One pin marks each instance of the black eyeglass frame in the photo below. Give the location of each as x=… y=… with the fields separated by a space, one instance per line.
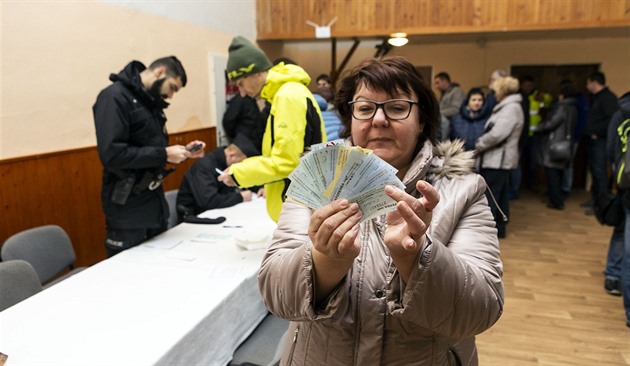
x=381 y=105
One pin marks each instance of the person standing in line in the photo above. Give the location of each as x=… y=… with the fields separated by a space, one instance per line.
x=616 y=282
x=132 y=144
x=497 y=148
x=603 y=106
x=538 y=102
x=324 y=81
x=559 y=124
x=469 y=124
x=294 y=121
x=619 y=251
x=582 y=108
x=491 y=99
x=324 y=98
x=451 y=99
x=410 y=287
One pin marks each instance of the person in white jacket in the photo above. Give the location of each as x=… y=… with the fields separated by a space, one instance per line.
x=497 y=148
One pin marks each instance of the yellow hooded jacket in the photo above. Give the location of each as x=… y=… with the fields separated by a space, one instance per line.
x=294 y=122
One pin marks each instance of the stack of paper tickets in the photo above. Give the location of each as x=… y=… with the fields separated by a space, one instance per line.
x=332 y=171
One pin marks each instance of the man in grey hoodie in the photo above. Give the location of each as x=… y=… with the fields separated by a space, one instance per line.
x=451 y=99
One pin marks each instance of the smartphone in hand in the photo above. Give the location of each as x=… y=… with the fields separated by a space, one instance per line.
x=195 y=147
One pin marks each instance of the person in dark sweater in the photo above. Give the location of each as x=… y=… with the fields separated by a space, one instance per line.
x=603 y=106
x=200 y=190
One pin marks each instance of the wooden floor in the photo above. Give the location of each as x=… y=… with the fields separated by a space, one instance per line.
x=556 y=310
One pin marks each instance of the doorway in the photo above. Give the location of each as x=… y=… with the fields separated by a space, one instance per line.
x=547 y=79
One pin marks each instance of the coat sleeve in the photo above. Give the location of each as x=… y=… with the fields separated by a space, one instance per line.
x=288 y=123
x=556 y=117
x=456 y=287
x=503 y=122
x=613 y=143
x=209 y=193
x=286 y=274
x=232 y=116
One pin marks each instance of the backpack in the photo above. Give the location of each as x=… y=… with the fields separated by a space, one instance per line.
x=622 y=173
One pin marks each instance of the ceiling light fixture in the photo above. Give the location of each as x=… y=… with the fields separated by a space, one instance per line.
x=398 y=39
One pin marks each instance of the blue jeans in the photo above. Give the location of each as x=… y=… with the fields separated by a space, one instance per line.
x=615 y=252
x=515 y=183
x=625 y=266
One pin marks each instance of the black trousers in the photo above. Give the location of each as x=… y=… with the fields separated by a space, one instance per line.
x=498 y=181
x=554 y=186
x=120 y=240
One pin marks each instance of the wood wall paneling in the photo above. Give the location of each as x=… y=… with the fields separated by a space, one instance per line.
x=279 y=19
x=63 y=188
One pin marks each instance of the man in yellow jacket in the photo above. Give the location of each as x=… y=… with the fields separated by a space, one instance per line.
x=294 y=122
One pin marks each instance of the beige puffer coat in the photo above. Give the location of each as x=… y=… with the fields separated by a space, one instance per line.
x=373 y=318
x=498 y=146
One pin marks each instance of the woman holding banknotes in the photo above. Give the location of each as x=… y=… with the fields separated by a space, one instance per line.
x=411 y=287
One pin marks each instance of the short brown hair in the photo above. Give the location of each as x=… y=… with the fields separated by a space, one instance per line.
x=389 y=75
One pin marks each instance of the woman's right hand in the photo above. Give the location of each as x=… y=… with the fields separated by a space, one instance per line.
x=333 y=230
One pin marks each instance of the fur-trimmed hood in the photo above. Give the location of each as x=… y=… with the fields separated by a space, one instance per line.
x=451 y=159
x=447 y=159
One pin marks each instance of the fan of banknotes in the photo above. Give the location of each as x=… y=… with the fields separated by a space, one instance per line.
x=332 y=171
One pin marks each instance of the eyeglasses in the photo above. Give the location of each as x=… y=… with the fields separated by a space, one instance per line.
x=394 y=109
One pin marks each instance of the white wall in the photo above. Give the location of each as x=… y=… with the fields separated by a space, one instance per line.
x=229 y=16
x=57 y=56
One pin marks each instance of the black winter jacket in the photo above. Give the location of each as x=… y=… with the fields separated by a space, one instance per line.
x=559 y=125
x=604 y=105
x=200 y=189
x=131 y=139
x=243 y=117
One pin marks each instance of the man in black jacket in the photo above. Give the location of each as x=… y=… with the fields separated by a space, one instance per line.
x=246 y=116
x=132 y=145
x=200 y=189
x=603 y=106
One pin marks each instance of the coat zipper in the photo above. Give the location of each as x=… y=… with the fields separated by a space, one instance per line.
x=295 y=336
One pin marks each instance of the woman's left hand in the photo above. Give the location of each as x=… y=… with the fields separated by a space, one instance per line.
x=407 y=224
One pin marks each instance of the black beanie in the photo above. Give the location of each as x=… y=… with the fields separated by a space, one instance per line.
x=245 y=59
x=246 y=145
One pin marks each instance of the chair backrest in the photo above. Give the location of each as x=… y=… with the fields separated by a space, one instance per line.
x=171 y=199
x=47 y=248
x=18 y=281
x=264 y=346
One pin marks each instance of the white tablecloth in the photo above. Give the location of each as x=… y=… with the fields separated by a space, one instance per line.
x=188 y=297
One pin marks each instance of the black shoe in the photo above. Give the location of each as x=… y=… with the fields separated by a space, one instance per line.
x=587 y=204
x=612 y=286
x=555 y=207
x=533 y=188
x=589 y=212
